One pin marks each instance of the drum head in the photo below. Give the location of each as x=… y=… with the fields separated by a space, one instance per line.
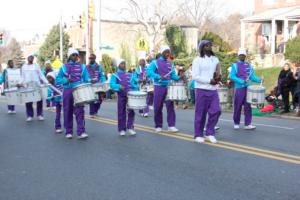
x=137 y=93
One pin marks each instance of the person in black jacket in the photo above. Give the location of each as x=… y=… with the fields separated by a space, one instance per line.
x=286 y=85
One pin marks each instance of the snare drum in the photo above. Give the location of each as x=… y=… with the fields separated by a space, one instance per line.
x=12 y=96
x=100 y=87
x=137 y=100
x=256 y=94
x=223 y=94
x=30 y=95
x=83 y=94
x=44 y=91
x=177 y=92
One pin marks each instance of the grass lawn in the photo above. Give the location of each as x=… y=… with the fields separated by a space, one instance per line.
x=270 y=75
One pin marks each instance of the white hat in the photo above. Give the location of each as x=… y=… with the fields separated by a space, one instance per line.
x=242 y=51
x=72 y=51
x=119 y=61
x=47 y=62
x=164 y=48
x=51 y=74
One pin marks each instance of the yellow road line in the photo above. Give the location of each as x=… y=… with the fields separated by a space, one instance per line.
x=220 y=144
x=225 y=145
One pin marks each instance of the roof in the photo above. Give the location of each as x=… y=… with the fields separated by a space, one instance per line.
x=291 y=13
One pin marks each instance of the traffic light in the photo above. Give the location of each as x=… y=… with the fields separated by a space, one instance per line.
x=91 y=10
x=1 y=39
x=82 y=20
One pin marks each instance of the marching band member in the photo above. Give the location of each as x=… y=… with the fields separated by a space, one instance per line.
x=162 y=72
x=48 y=67
x=46 y=70
x=4 y=79
x=97 y=76
x=56 y=97
x=241 y=74
x=72 y=74
x=122 y=82
x=141 y=79
x=32 y=76
x=206 y=73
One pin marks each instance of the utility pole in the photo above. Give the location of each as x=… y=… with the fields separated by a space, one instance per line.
x=87 y=45
x=98 y=31
x=61 y=38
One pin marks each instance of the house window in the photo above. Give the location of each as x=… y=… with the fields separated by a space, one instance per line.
x=266 y=29
x=269 y=2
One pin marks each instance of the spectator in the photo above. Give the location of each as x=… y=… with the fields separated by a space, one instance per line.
x=286 y=86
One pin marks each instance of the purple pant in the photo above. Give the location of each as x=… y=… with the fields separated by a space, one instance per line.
x=149 y=102
x=207 y=102
x=160 y=94
x=11 y=107
x=122 y=103
x=69 y=110
x=95 y=106
x=58 y=114
x=39 y=108
x=240 y=100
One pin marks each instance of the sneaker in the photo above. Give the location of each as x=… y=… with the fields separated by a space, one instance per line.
x=173 y=129
x=199 y=139
x=83 y=136
x=41 y=118
x=236 y=127
x=131 y=132
x=29 y=119
x=69 y=136
x=250 y=127
x=151 y=107
x=9 y=112
x=158 y=130
x=59 y=130
x=146 y=115
x=212 y=139
x=13 y=112
x=122 y=133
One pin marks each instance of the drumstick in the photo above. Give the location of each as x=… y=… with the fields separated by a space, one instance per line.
x=55 y=89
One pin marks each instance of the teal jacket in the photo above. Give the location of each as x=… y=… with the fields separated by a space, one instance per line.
x=238 y=82
x=116 y=86
x=62 y=80
x=151 y=73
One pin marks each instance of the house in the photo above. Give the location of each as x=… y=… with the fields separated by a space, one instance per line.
x=266 y=32
x=119 y=36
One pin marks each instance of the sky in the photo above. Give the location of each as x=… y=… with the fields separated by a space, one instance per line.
x=25 y=18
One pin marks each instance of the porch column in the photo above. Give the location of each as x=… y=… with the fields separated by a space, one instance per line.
x=273 y=39
x=243 y=33
x=286 y=30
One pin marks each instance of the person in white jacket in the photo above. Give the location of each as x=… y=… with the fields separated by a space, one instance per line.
x=207 y=74
x=32 y=76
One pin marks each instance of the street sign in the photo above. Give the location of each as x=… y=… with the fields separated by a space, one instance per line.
x=142 y=45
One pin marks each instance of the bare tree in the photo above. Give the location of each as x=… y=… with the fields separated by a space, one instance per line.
x=199 y=12
x=153 y=17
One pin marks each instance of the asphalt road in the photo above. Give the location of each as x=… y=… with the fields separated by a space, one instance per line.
x=38 y=164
